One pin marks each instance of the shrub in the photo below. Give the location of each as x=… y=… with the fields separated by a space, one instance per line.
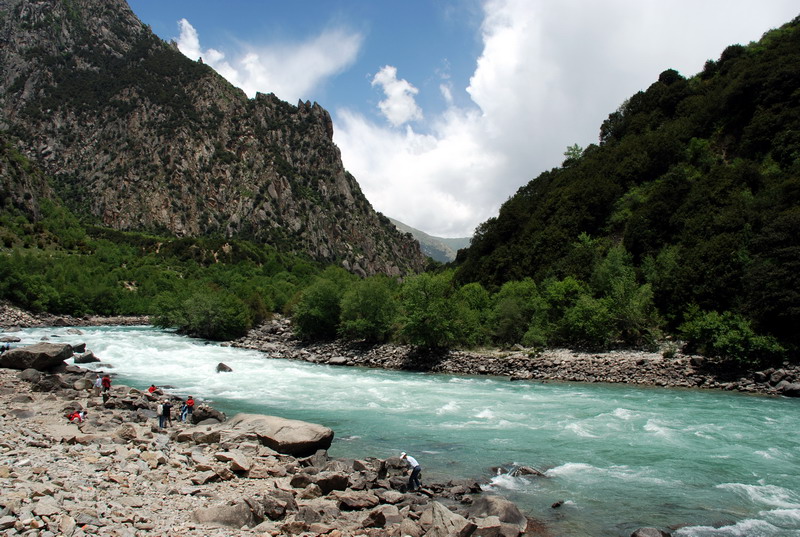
x=727 y=335
x=368 y=310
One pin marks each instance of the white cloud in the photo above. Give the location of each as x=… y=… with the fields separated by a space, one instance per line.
x=549 y=74
x=290 y=71
x=399 y=105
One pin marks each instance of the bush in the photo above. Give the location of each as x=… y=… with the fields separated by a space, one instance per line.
x=368 y=310
x=588 y=324
x=316 y=315
x=430 y=316
x=727 y=335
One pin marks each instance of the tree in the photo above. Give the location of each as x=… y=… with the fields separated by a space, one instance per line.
x=316 y=315
x=430 y=316
x=368 y=310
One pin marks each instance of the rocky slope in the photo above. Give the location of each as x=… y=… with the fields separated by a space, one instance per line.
x=142 y=138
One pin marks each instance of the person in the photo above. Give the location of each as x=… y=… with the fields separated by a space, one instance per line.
x=106 y=382
x=152 y=388
x=416 y=470
x=160 y=414
x=189 y=408
x=77 y=416
x=98 y=385
x=167 y=406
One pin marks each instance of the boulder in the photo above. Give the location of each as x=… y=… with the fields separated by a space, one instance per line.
x=488 y=505
x=222 y=368
x=233 y=515
x=289 y=437
x=439 y=521
x=79 y=348
x=85 y=358
x=41 y=356
x=791 y=390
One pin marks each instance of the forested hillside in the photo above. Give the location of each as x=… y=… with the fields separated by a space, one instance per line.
x=694 y=186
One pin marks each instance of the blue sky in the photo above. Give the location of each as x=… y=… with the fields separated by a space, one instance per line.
x=442 y=108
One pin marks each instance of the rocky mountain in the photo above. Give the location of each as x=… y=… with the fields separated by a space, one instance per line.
x=138 y=137
x=441 y=249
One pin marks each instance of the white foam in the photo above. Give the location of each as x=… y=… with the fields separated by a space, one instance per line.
x=767 y=495
x=579 y=430
x=448 y=408
x=570 y=468
x=486 y=413
x=744 y=528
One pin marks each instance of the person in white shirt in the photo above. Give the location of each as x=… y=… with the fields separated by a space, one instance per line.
x=416 y=470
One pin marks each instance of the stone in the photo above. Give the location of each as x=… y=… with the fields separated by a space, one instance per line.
x=490 y=505
x=85 y=358
x=649 y=532
x=351 y=500
x=791 y=390
x=290 y=437
x=222 y=368
x=330 y=481
x=40 y=356
x=233 y=515
x=442 y=522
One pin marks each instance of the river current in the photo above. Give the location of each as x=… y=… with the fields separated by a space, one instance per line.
x=618 y=457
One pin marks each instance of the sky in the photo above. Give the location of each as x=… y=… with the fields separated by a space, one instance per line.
x=442 y=109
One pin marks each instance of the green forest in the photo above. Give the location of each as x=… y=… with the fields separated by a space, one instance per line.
x=679 y=230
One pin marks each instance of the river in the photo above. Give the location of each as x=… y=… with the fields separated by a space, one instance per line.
x=618 y=457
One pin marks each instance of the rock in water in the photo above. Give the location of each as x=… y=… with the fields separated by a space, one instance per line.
x=41 y=356
x=290 y=437
x=222 y=368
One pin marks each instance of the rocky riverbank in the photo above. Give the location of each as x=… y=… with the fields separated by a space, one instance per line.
x=14 y=317
x=666 y=368
x=117 y=473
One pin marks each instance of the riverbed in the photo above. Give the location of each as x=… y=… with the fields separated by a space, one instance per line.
x=618 y=457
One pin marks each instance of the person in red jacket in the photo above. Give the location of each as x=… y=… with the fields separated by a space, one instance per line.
x=188 y=408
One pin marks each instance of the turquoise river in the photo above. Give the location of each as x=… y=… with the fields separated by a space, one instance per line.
x=702 y=463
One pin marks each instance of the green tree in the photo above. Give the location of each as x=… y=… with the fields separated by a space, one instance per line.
x=368 y=310
x=513 y=307
x=316 y=315
x=430 y=317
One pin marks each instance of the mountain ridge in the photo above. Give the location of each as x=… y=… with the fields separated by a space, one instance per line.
x=138 y=137
x=441 y=249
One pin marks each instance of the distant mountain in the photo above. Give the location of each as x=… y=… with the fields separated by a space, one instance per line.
x=699 y=180
x=440 y=249
x=138 y=137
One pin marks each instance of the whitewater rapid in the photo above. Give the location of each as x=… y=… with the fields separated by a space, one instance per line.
x=617 y=457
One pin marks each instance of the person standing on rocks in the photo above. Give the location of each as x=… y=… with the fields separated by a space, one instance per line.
x=106 y=382
x=189 y=408
x=160 y=414
x=167 y=412
x=98 y=385
x=416 y=470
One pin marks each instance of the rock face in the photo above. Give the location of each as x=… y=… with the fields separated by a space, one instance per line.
x=291 y=437
x=41 y=356
x=143 y=138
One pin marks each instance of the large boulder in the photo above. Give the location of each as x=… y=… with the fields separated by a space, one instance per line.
x=439 y=521
x=290 y=437
x=41 y=356
x=488 y=505
x=791 y=390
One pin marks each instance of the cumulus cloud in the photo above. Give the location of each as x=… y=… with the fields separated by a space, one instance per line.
x=290 y=71
x=399 y=105
x=548 y=75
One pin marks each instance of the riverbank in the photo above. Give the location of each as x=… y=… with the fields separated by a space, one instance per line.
x=117 y=473
x=670 y=369
x=664 y=369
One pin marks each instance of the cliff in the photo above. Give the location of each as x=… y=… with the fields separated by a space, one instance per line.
x=138 y=137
